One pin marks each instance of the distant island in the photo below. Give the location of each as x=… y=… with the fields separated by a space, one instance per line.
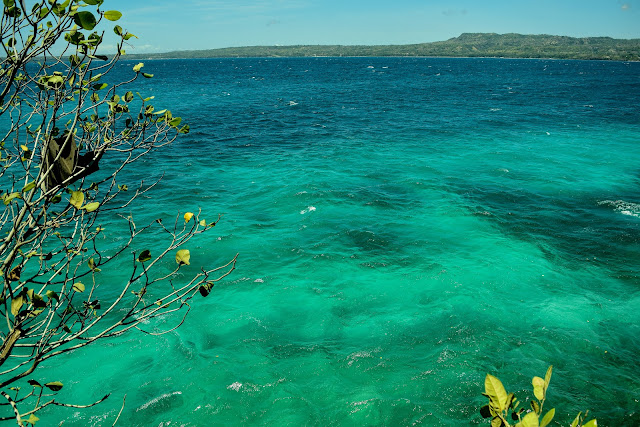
x=466 y=45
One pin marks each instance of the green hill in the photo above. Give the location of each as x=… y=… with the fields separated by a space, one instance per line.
x=466 y=45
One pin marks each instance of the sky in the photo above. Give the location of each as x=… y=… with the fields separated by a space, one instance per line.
x=164 y=25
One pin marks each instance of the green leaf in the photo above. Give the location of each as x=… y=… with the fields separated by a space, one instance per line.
x=77 y=198
x=112 y=15
x=175 y=122
x=535 y=406
x=183 y=256
x=538 y=388
x=496 y=422
x=78 y=287
x=147 y=75
x=16 y=305
x=7 y=198
x=52 y=295
x=74 y=37
x=529 y=420
x=118 y=30
x=144 y=255
x=86 y=20
x=30 y=186
x=93 y=2
x=128 y=97
x=34 y=383
x=592 y=423
x=496 y=392
x=90 y=207
x=33 y=419
x=54 y=386
x=547 y=378
x=56 y=198
x=129 y=35
x=547 y=418
x=138 y=67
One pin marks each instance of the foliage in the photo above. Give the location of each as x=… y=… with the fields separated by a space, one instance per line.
x=67 y=135
x=504 y=407
x=466 y=45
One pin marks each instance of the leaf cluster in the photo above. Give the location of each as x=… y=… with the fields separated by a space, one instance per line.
x=61 y=118
x=504 y=408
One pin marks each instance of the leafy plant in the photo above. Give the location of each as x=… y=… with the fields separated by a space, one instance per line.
x=504 y=408
x=67 y=134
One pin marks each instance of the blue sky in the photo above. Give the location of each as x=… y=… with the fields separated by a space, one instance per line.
x=164 y=25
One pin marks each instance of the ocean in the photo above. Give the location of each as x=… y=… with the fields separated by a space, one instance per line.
x=404 y=227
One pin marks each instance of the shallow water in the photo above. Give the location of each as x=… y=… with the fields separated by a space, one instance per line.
x=405 y=226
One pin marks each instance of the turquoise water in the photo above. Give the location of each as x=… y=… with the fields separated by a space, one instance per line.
x=404 y=226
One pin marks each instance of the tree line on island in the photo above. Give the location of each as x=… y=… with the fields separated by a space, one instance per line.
x=466 y=45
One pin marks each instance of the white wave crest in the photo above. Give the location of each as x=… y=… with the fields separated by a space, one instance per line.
x=309 y=209
x=235 y=386
x=157 y=399
x=625 y=208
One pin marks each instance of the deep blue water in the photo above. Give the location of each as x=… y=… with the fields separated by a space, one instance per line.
x=405 y=226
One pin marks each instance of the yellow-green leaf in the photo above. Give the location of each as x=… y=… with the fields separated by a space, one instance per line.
x=112 y=15
x=547 y=418
x=138 y=67
x=547 y=377
x=54 y=385
x=535 y=406
x=576 y=420
x=592 y=423
x=52 y=295
x=77 y=198
x=188 y=216
x=496 y=392
x=33 y=419
x=538 y=388
x=529 y=420
x=183 y=256
x=30 y=186
x=90 y=207
x=16 y=304
x=7 y=198
x=78 y=287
